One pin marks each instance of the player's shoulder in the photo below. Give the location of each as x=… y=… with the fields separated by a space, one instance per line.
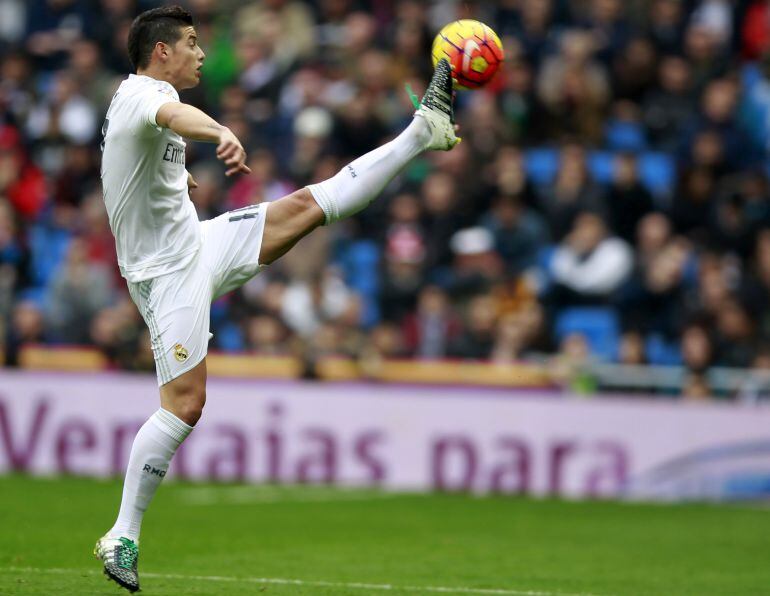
x=140 y=84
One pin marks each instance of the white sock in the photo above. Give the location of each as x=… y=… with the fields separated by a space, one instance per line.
x=154 y=446
x=358 y=183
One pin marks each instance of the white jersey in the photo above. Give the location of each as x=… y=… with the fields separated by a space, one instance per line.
x=144 y=179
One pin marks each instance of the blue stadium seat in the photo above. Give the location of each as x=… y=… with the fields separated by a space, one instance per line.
x=599 y=325
x=657 y=172
x=360 y=263
x=624 y=136
x=542 y=165
x=662 y=352
x=601 y=164
x=48 y=248
x=229 y=338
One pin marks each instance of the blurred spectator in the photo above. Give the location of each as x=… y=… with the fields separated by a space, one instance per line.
x=78 y=291
x=666 y=24
x=16 y=89
x=574 y=89
x=65 y=115
x=703 y=49
x=11 y=22
x=697 y=348
x=517 y=334
x=519 y=233
x=696 y=387
x=13 y=259
x=668 y=106
x=94 y=82
x=572 y=192
x=116 y=331
x=631 y=349
x=755 y=31
x=589 y=265
x=607 y=23
x=533 y=28
x=520 y=105
x=742 y=208
x=441 y=217
x=476 y=264
x=652 y=299
x=507 y=176
x=628 y=200
x=306 y=304
x=735 y=335
x=27 y=328
x=693 y=202
x=756 y=285
x=718 y=116
x=261 y=185
x=433 y=326
x=477 y=339
x=634 y=69
x=572 y=365
x=267 y=335
x=52 y=26
x=21 y=181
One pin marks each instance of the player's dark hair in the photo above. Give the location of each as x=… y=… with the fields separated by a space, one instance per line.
x=159 y=24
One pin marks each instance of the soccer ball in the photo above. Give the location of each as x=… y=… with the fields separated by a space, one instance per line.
x=474 y=51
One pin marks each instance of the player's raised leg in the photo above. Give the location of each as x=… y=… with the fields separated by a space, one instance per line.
x=358 y=183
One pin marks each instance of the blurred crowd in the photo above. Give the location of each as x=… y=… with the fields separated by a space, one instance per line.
x=610 y=199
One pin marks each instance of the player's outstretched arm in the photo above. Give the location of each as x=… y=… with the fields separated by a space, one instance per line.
x=191 y=123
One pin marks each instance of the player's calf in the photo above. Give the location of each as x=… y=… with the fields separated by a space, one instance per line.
x=358 y=183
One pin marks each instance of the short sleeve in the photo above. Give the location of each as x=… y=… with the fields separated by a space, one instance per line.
x=149 y=101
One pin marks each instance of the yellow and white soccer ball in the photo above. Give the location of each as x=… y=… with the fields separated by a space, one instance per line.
x=473 y=49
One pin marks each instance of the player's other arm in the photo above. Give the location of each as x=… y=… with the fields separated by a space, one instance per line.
x=191 y=123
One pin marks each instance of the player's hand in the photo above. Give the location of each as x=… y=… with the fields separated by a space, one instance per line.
x=191 y=183
x=232 y=153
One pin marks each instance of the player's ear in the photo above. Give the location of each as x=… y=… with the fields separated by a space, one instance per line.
x=161 y=50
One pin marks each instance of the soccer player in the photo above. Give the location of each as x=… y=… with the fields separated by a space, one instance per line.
x=175 y=265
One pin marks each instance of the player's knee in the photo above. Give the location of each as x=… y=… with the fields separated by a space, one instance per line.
x=301 y=203
x=191 y=407
x=187 y=405
x=288 y=220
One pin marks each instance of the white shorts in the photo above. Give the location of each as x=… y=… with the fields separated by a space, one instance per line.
x=177 y=306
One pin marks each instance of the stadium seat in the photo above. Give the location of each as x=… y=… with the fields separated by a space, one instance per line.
x=361 y=267
x=542 y=165
x=229 y=338
x=48 y=247
x=624 y=136
x=657 y=171
x=662 y=352
x=601 y=164
x=599 y=325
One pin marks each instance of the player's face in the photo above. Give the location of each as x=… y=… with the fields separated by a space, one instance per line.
x=185 y=60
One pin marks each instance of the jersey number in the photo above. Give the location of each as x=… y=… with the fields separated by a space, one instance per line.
x=247 y=212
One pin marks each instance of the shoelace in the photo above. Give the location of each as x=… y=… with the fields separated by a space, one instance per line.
x=126 y=554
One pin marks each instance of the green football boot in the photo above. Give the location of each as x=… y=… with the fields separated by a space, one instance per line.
x=120 y=557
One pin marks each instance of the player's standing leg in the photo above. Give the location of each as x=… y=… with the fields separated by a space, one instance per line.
x=182 y=401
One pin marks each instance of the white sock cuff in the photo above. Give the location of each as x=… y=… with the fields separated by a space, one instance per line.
x=325 y=202
x=175 y=428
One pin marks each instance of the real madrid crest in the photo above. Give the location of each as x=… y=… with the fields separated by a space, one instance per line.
x=180 y=353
